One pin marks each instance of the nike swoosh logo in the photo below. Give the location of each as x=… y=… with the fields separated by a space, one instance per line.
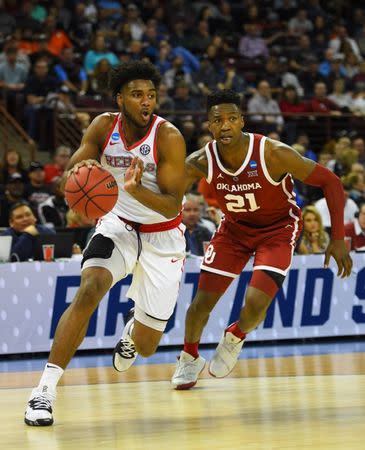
x=174 y=260
x=113 y=143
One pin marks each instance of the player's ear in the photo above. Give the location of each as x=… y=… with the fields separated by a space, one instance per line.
x=119 y=99
x=243 y=120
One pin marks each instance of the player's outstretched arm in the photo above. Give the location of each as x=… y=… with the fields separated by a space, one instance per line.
x=196 y=167
x=283 y=159
x=170 y=174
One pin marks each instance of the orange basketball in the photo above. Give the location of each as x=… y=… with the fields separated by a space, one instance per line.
x=91 y=192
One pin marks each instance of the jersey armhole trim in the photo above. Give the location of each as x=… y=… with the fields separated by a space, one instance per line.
x=155 y=157
x=208 y=151
x=109 y=134
x=263 y=163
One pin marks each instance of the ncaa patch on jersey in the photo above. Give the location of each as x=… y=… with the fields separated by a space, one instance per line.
x=145 y=149
x=115 y=136
x=253 y=164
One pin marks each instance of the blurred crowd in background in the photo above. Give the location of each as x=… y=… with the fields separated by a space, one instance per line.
x=294 y=63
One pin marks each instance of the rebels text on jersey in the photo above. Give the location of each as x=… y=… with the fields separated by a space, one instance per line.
x=117 y=156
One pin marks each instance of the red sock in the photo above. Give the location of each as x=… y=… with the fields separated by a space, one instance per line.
x=192 y=348
x=235 y=330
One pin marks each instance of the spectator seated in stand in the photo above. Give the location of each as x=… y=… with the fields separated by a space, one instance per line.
x=61 y=159
x=70 y=73
x=61 y=101
x=98 y=51
x=231 y=79
x=344 y=157
x=99 y=80
x=340 y=96
x=38 y=86
x=13 y=193
x=195 y=233
x=356 y=229
x=12 y=76
x=303 y=139
x=36 y=191
x=355 y=183
x=12 y=164
x=358 y=169
x=251 y=45
x=320 y=103
x=290 y=101
x=262 y=102
x=23 y=229
x=52 y=212
x=350 y=210
x=314 y=238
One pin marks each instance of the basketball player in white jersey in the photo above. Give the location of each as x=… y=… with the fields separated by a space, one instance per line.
x=142 y=235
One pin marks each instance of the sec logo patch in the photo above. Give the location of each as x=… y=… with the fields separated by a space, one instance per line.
x=145 y=149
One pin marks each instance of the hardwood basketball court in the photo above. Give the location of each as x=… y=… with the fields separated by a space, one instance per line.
x=294 y=402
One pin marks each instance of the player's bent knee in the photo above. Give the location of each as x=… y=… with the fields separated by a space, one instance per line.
x=95 y=282
x=267 y=281
x=256 y=303
x=147 y=332
x=256 y=310
x=146 y=348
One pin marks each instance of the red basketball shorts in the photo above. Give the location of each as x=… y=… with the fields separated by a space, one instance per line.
x=233 y=244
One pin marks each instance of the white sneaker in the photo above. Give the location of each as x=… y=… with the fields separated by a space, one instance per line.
x=39 y=408
x=187 y=371
x=226 y=355
x=125 y=353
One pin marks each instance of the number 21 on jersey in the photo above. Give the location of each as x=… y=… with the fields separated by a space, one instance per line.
x=237 y=203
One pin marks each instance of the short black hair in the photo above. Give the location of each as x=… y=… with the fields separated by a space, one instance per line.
x=223 y=96
x=132 y=70
x=17 y=205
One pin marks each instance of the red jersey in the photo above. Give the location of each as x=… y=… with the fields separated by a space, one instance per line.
x=250 y=196
x=357 y=235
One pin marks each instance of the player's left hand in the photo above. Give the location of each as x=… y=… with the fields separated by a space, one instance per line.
x=133 y=175
x=337 y=249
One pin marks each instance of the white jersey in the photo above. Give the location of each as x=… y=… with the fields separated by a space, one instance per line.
x=117 y=157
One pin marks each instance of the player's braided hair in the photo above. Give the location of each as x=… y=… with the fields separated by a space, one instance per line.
x=223 y=96
x=132 y=70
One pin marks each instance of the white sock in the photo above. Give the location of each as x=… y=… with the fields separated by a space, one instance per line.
x=51 y=376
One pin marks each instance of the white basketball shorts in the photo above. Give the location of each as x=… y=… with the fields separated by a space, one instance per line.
x=158 y=270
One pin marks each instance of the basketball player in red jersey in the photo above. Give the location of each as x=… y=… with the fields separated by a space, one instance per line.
x=142 y=235
x=252 y=179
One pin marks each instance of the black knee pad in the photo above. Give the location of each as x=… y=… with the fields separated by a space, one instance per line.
x=99 y=247
x=277 y=277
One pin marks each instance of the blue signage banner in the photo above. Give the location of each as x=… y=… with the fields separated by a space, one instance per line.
x=312 y=303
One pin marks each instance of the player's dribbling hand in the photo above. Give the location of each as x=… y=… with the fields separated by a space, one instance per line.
x=133 y=175
x=337 y=249
x=86 y=162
